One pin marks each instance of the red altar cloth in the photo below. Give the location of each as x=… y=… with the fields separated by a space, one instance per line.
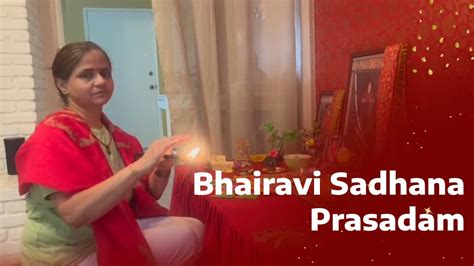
x=268 y=230
x=276 y=230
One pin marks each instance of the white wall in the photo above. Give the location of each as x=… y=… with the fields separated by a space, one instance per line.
x=27 y=43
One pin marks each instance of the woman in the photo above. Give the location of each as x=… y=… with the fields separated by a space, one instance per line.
x=87 y=182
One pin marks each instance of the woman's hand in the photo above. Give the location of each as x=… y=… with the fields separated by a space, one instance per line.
x=88 y=205
x=163 y=169
x=157 y=149
x=159 y=177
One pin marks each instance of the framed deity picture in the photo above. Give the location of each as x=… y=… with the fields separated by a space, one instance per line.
x=359 y=120
x=325 y=101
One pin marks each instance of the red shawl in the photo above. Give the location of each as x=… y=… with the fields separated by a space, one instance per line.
x=63 y=155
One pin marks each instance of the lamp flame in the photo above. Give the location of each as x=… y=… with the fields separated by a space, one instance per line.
x=193 y=153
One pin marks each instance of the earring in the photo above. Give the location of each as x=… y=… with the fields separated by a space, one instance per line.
x=65 y=92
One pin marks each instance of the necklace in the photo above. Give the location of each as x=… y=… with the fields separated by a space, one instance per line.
x=106 y=145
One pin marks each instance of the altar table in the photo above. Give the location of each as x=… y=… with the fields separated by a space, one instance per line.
x=259 y=230
x=276 y=230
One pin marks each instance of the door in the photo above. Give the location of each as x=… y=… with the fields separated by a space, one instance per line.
x=128 y=37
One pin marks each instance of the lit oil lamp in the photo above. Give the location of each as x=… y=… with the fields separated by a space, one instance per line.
x=193 y=160
x=193 y=153
x=191 y=156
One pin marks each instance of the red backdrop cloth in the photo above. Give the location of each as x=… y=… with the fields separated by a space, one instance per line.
x=440 y=103
x=63 y=155
x=231 y=224
x=269 y=230
x=276 y=230
x=437 y=138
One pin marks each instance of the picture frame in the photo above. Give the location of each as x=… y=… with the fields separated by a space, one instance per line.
x=325 y=100
x=361 y=101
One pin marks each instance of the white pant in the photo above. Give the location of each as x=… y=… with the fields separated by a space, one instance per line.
x=172 y=240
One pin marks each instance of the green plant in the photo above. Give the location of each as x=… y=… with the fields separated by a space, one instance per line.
x=277 y=139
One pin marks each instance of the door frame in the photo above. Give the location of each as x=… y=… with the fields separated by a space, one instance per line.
x=58 y=17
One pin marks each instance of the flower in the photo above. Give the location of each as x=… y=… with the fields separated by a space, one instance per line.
x=310 y=143
x=310 y=137
x=274 y=153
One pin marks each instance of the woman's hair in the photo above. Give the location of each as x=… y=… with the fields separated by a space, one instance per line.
x=67 y=59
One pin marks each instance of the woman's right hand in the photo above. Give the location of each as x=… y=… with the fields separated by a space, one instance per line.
x=156 y=150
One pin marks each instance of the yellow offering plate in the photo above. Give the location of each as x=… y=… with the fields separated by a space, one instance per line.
x=224 y=166
x=257 y=158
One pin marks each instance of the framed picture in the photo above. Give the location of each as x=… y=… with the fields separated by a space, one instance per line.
x=359 y=120
x=325 y=101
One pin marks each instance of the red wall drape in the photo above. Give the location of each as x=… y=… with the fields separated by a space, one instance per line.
x=441 y=103
x=438 y=140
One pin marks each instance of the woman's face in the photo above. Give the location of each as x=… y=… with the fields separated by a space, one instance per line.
x=90 y=84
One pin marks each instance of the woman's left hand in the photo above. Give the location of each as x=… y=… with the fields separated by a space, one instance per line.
x=163 y=169
x=159 y=177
